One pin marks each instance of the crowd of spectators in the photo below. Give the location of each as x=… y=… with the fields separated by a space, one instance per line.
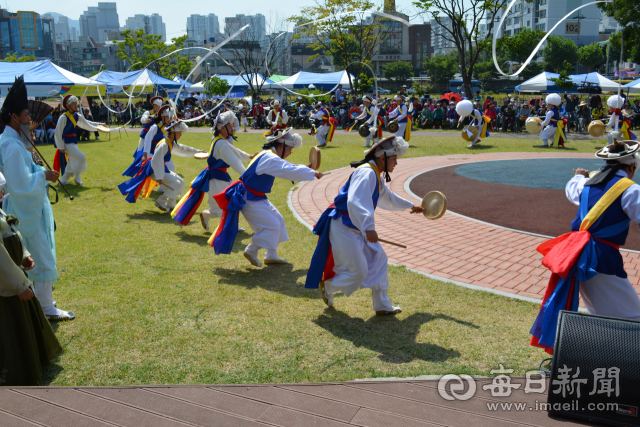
x=427 y=112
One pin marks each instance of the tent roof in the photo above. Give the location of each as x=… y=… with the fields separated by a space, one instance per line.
x=41 y=73
x=633 y=87
x=539 y=83
x=278 y=78
x=179 y=80
x=239 y=83
x=135 y=78
x=322 y=81
x=606 y=84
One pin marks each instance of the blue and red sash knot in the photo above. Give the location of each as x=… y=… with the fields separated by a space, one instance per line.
x=572 y=258
x=186 y=209
x=232 y=200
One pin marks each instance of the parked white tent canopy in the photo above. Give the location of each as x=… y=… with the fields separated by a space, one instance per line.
x=597 y=78
x=539 y=83
x=322 y=81
x=633 y=87
x=239 y=83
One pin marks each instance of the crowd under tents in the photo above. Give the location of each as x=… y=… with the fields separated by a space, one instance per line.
x=542 y=82
x=45 y=79
x=135 y=82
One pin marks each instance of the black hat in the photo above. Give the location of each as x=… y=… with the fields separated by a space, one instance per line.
x=16 y=101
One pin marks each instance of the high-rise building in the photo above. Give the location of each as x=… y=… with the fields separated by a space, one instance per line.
x=439 y=44
x=257 y=30
x=151 y=24
x=95 y=22
x=582 y=27
x=203 y=28
x=26 y=33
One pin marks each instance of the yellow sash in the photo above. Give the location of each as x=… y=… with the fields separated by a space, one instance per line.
x=559 y=131
x=605 y=201
x=70 y=117
x=483 y=131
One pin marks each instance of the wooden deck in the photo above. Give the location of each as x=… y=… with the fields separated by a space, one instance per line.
x=358 y=403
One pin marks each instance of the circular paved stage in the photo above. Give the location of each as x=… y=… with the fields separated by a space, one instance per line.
x=526 y=195
x=478 y=253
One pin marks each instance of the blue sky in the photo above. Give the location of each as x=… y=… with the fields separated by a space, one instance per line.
x=174 y=13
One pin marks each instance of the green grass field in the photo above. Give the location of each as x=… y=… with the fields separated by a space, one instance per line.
x=155 y=305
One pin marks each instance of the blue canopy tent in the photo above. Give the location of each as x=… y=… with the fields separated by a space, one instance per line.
x=239 y=84
x=321 y=81
x=144 y=81
x=45 y=79
x=179 y=80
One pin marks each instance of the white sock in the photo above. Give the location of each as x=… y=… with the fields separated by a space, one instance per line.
x=252 y=249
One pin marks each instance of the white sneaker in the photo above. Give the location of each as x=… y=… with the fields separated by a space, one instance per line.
x=204 y=222
x=78 y=182
x=252 y=259
x=162 y=207
x=328 y=299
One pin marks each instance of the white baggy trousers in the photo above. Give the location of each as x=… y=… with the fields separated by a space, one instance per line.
x=77 y=163
x=358 y=264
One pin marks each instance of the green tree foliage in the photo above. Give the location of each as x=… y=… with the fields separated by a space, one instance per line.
x=518 y=47
x=343 y=36
x=562 y=81
x=459 y=22
x=627 y=13
x=13 y=57
x=442 y=68
x=216 y=86
x=365 y=82
x=591 y=56
x=531 y=70
x=558 y=51
x=139 y=49
x=420 y=88
x=400 y=71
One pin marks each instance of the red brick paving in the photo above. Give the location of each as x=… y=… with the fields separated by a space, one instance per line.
x=452 y=247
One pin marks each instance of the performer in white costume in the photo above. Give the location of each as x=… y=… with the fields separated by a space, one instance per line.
x=158 y=132
x=402 y=116
x=277 y=117
x=324 y=133
x=147 y=119
x=248 y=195
x=607 y=204
x=66 y=141
x=155 y=169
x=620 y=127
x=370 y=114
x=214 y=178
x=553 y=125
x=465 y=108
x=29 y=202
x=349 y=256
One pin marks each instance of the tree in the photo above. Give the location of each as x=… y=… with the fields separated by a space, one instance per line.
x=216 y=86
x=248 y=55
x=558 y=51
x=459 y=22
x=13 y=57
x=590 y=56
x=365 y=83
x=400 y=71
x=441 y=68
x=563 y=81
x=519 y=46
x=532 y=70
x=627 y=13
x=344 y=35
x=139 y=49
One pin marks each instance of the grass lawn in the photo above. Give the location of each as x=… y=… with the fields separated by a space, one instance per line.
x=155 y=305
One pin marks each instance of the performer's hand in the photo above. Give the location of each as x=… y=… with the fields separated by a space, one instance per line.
x=159 y=181
x=51 y=175
x=308 y=165
x=253 y=155
x=319 y=175
x=26 y=295
x=28 y=264
x=372 y=236
x=144 y=158
x=582 y=172
x=62 y=151
x=201 y=151
x=417 y=209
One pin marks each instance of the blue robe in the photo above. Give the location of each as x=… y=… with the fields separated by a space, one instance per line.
x=28 y=200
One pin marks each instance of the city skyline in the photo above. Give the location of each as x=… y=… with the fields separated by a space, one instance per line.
x=174 y=18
